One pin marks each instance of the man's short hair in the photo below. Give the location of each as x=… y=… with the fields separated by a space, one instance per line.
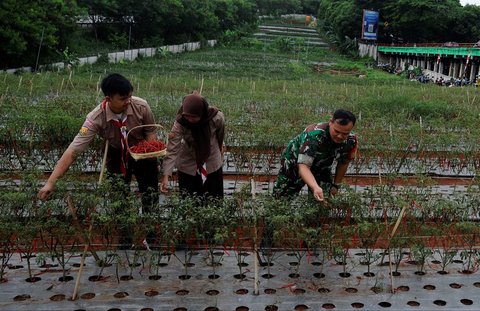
x=116 y=84
x=343 y=117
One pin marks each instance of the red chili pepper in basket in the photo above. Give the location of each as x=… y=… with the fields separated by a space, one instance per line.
x=148 y=146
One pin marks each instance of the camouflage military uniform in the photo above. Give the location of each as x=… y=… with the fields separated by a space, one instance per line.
x=314 y=148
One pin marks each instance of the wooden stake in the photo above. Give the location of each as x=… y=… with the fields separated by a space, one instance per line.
x=402 y=212
x=90 y=228
x=255 y=243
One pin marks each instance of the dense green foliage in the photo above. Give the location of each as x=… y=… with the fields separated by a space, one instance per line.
x=412 y=21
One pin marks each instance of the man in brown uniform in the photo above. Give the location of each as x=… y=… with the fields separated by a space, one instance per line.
x=112 y=119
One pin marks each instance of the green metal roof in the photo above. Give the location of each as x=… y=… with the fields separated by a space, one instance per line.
x=460 y=51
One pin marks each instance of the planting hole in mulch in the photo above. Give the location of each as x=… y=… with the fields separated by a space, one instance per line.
x=48 y=265
x=184 y=277
x=319 y=275
x=182 y=292
x=298 y=291
x=242 y=264
x=396 y=273
x=466 y=271
x=241 y=291
x=420 y=273
x=21 y=297
x=33 y=280
x=3 y=280
x=87 y=296
x=357 y=305
x=351 y=290
x=163 y=264
x=270 y=291
x=155 y=277
x=213 y=276
x=180 y=309
x=440 y=302
x=457 y=261
x=58 y=297
x=442 y=272
x=413 y=303
x=341 y=263
x=369 y=274
x=212 y=292
x=466 y=302
x=436 y=262
x=328 y=306
x=126 y=277
x=77 y=265
x=114 y=309
x=134 y=265
x=151 y=293
x=104 y=264
x=189 y=264
x=429 y=287
x=271 y=308
x=359 y=254
x=15 y=267
x=244 y=254
x=266 y=264
x=476 y=284
x=455 y=285
x=268 y=276
x=344 y=274
x=316 y=263
x=290 y=254
x=385 y=304
x=120 y=295
x=97 y=278
x=294 y=275
x=293 y=263
x=240 y=276
x=301 y=308
x=211 y=309
x=217 y=253
x=66 y=278
x=376 y=289
x=403 y=288
x=242 y=308
x=323 y=290
x=146 y=309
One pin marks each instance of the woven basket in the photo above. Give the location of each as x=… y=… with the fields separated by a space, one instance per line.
x=160 y=132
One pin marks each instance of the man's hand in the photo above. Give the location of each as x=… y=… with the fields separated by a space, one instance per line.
x=318 y=193
x=46 y=191
x=163 y=184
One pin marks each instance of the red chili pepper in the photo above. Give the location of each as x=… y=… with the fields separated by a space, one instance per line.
x=148 y=146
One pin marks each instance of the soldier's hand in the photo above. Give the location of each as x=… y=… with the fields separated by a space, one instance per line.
x=318 y=194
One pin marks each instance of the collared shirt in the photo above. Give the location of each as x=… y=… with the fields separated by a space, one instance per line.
x=98 y=122
x=315 y=148
x=180 y=152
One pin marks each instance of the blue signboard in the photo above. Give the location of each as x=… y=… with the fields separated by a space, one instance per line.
x=370 y=25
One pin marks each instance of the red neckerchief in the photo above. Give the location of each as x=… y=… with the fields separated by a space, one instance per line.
x=122 y=126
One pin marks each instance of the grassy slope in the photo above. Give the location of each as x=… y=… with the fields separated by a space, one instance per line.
x=267 y=96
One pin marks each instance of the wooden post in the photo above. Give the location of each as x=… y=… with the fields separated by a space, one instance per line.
x=400 y=217
x=255 y=243
x=89 y=235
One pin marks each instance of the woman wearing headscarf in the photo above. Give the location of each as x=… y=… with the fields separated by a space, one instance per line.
x=195 y=148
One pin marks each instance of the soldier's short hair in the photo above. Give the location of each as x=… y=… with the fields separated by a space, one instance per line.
x=343 y=117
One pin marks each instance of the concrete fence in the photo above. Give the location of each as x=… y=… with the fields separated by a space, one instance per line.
x=365 y=49
x=116 y=57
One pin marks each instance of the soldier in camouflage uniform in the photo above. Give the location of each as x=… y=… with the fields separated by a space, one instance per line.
x=309 y=157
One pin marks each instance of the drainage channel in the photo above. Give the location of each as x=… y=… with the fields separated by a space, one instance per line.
x=311 y=283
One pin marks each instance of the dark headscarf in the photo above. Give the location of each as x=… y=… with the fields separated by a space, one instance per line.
x=195 y=105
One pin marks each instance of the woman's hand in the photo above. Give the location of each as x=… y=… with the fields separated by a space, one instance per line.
x=164 y=184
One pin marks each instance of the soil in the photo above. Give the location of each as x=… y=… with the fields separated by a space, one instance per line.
x=241 y=291
x=413 y=303
x=328 y=306
x=151 y=293
x=455 y=285
x=212 y=292
x=22 y=297
x=271 y=308
x=182 y=292
x=87 y=296
x=120 y=295
x=323 y=290
x=59 y=297
x=270 y=291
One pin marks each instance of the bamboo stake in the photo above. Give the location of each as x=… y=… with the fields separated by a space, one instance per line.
x=402 y=212
x=90 y=228
x=255 y=243
x=201 y=88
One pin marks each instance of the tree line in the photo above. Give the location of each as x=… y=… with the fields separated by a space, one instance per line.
x=402 y=21
x=49 y=30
